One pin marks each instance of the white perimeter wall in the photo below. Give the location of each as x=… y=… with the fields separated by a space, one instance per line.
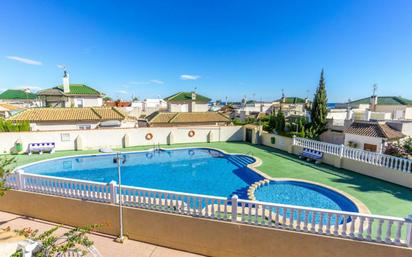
x=94 y=139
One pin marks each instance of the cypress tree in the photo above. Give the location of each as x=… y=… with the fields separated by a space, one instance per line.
x=319 y=106
x=280 y=122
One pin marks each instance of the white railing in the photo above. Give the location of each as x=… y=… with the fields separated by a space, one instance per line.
x=366 y=227
x=378 y=159
x=317 y=145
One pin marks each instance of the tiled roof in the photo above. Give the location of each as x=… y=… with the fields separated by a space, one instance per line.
x=384 y=100
x=108 y=113
x=10 y=107
x=186 y=117
x=373 y=129
x=187 y=96
x=75 y=89
x=17 y=94
x=292 y=100
x=118 y=103
x=68 y=114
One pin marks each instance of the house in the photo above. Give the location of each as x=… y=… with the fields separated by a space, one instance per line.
x=71 y=95
x=187 y=102
x=370 y=136
x=394 y=111
x=252 y=108
x=292 y=106
x=46 y=119
x=382 y=107
x=179 y=119
x=117 y=103
x=150 y=105
x=20 y=97
x=7 y=110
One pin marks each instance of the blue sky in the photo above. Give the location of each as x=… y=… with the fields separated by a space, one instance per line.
x=225 y=48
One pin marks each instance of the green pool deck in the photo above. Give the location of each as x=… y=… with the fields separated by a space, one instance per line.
x=380 y=197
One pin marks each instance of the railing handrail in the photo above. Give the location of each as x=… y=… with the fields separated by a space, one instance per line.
x=65 y=179
x=366 y=215
x=314 y=141
x=395 y=163
x=172 y=192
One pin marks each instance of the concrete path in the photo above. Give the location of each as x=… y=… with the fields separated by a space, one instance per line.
x=104 y=243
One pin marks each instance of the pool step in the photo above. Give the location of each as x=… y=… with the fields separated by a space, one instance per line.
x=240 y=161
x=254 y=186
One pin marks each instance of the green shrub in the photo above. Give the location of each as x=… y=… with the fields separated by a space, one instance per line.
x=8 y=126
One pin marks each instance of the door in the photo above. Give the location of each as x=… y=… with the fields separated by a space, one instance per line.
x=370 y=148
x=249 y=133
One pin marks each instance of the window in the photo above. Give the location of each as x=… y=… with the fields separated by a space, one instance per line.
x=65 y=137
x=79 y=103
x=84 y=126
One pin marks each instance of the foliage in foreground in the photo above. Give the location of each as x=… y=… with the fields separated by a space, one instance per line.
x=5 y=170
x=8 y=126
x=75 y=240
x=407 y=145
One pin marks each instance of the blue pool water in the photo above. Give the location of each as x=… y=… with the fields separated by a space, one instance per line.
x=196 y=170
x=304 y=194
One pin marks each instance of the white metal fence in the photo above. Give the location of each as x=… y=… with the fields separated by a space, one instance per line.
x=366 y=227
x=378 y=159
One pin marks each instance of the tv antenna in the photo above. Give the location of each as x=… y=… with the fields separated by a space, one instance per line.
x=375 y=88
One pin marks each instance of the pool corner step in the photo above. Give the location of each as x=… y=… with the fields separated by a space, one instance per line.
x=254 y=186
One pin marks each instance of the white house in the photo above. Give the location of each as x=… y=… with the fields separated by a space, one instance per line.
x=71 y=95
x=382 y=107
x=20 y=97
x=370 y=136
x=187 y=102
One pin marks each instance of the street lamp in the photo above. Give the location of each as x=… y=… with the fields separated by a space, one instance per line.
x=120 y=160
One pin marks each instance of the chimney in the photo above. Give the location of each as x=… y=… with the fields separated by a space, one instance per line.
x=374 y=99
x=373 y=102
x=66 y=83
x=349 y=112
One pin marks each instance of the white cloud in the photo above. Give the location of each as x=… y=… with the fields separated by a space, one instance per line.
x=189 y=77
x=123 y=92
x=157 y=81
x=24 y=60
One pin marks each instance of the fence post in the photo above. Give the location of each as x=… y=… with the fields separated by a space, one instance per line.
x=20 y=179
x=409 y=231
x=290 y=147
x=113 y=193
x=341 y=151
x=234 y=208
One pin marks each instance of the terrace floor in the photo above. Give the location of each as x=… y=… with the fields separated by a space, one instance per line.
x=104 y=244
x=380 y=197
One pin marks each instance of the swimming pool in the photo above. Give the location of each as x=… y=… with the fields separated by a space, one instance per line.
x=305 y=194
x=191 y=170
x=202 y=171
